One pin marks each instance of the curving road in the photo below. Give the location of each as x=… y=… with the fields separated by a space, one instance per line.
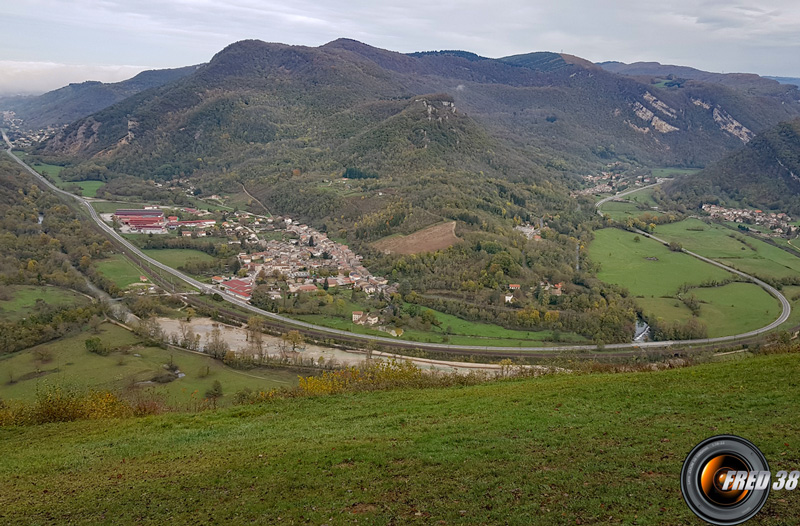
x=786 y=308
x=440 y=347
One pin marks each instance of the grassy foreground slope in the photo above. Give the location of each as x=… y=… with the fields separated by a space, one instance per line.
x=566 y=449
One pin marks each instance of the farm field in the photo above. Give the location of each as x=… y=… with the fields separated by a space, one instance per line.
x=625 y=262
x=673 y=172
x=108 y=207
x=721 y=243
x=22 y=299
x=176 y=257
x=621 y=210
x=121 y=271
x=88 y=188
x=523 y=339
x=501 y=452
x=429 y=239
x=68 y=364
x=644 y=196
x=53 y=171
x=736 y=308
x=729 y=309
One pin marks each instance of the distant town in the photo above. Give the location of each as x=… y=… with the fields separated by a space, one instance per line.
x=779 y=224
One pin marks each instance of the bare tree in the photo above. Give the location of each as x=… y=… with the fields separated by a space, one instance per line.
x=216 y=346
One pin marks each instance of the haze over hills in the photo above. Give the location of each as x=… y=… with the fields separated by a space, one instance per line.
x=673 y=76
x=76 y=101
x=765 y=173
x=787 y=80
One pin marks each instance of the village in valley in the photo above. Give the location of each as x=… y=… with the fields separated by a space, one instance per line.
x=288 y=257
x=779 y=224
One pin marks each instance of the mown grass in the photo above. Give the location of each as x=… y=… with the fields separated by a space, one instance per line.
x=88 y=188
x=120 y=270
x=564 y=449
x=23 y=299
x=70 y=365
x=108 y=207
x=53 y=171
x=673 y=172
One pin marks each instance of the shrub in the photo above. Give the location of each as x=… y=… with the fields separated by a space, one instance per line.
x=96 y=346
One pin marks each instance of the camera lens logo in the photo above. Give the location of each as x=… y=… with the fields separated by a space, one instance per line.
x=708 y=484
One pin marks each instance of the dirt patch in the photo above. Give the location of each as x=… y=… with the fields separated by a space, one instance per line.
x=428 y=239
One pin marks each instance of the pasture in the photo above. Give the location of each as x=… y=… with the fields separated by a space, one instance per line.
x=118 y=269
x=132 y=368
x=730 y=309
x=560 y=449
x=732 y=248
x=647 y=268
x=18 y=301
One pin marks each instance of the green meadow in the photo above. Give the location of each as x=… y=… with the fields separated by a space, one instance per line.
x=732 y=248
x=120 y=270
x=652 y=273
x=621 y=210
x=53 y=171
x=647 y=268
x=559 y=449
x=22 y=299
x=67 y=363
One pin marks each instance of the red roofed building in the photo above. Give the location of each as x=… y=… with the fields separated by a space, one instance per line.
x=237 y=287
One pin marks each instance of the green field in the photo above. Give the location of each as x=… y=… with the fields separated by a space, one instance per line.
x=715 y=241
x=108 y=207
x=53 y=171
x=49 y=170
x=562 y=449
x=621 y=210
x=673 y=172
x=120 y=270
x=23 y=299
x=643 y=196
x=730 y=309
x=176 y=257
x=623 y=262
x=69 y=364
x=463 y=332
x=88 y=188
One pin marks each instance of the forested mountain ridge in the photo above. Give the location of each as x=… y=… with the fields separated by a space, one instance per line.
x=76 y=101
x=765 y=173
x=563 y=110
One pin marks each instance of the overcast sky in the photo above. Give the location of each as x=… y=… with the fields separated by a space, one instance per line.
x=49 y=43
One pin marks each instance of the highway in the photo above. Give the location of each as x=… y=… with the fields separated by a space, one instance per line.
x=438 y=347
